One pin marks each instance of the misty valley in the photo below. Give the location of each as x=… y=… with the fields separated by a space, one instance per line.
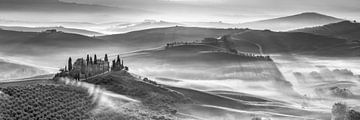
x=299 y=67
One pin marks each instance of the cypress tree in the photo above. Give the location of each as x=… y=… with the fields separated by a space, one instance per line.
x=95 y=59
x=82 y=69
x=106 y=58
x=122 y=64
x=118 y=59
x=70 y=64
x=91 y=60
x=113 y=65
x=87 y=59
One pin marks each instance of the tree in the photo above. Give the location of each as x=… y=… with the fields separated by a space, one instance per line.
x=106 y=58
x=122 y=63
x=118 y=59
x=126 y=68
x=95 y=59
x=91 y=60
x=70 y=64
x=82 y=69
x=87 y=59
x=113 y=65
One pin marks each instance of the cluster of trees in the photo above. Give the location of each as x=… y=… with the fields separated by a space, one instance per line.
x=118 y=64
x=150 y=81
x=173 y=44
x=45 y=102
x=341 y=111
x=257 y=56
x=250 y=55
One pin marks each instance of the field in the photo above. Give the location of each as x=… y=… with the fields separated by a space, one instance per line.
x=44 y=102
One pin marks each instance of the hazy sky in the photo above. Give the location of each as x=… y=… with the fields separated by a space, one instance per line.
x=234 y=11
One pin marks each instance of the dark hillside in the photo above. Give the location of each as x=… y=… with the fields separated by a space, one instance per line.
x=345 y=30
x=159 y=36
x=124 y=83
x=33 y=43
x=297 y=21
x=285 y=42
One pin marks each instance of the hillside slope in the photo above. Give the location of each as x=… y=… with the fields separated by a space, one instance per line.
x=151 y=38
x=297 y=21
x=14 y=71
x=285 y=42
x=345 y=30
x=14 y=42
x=147 y=24
x=167 y=99
x=40 y=29
x=201 y=63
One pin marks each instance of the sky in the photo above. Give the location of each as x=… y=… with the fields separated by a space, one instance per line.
x=232 y=11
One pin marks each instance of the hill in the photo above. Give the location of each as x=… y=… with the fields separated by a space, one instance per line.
x=166 y=100
x=345 y=30
x=147 y=24
x=199 y=62
x=156 y=100
x=32 y=43
x=58 y=6
x=156 y=37
x=220 y=107
x=308 y=19
x=10 y=71
x=219 y=24
x=284 y=42
x=41 y=29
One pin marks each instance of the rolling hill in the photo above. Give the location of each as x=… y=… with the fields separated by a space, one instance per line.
x=156 y=37
x=147 y=24
x=201 y=63
x=219 y=24
x=285 y=42
x=41 y=29
x=345 y=30
x=32 y=43
x=11 y=70
x=56 y=6
x=308 y=19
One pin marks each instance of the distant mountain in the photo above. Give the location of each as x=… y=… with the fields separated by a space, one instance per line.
x=44 y=42
x=14 y=71
x=147 y=24
x=211 y=24
x=57 y=6
x=345 y=29
x=156 y=37
x=41 y=29
x=302 y=20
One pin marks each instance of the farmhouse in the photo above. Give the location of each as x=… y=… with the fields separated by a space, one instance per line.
x=85 y=68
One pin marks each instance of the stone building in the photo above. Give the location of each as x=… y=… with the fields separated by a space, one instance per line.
x=85 y=68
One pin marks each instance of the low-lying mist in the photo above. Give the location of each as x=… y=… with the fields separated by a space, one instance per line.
x=322 y=81
x=259 y=78
x=296 y=82
x=103 y=98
